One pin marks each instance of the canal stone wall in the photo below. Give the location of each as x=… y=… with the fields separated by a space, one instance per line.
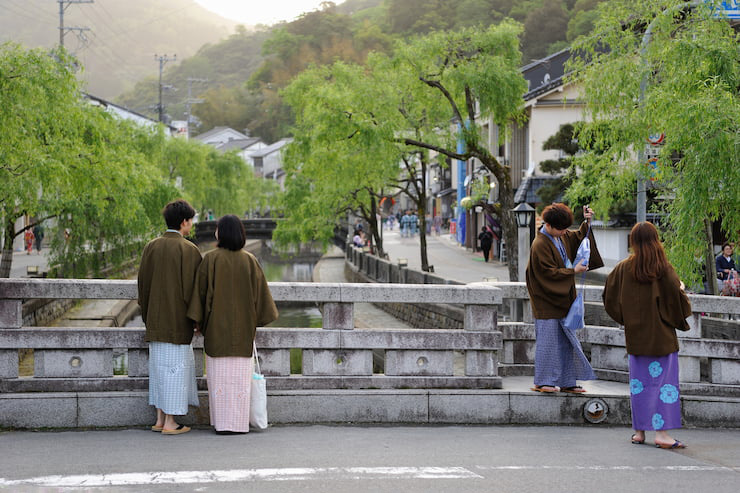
x=429 y=375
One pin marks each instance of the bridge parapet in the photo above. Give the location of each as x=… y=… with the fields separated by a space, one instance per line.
x=335 y=356
x=708 y=366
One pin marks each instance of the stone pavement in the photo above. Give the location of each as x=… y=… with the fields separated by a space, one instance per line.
x=449 y=259
x=21 y=262
x=421 y=459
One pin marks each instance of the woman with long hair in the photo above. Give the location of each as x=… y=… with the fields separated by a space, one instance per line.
x=644 y=294
x=230 y=300
x=559 y=360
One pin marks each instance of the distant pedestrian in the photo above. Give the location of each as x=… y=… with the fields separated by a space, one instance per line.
x=28 y=238
x=406 y=224
x=230 y=300
x=725 y=264
x=486 y=240
x=644 y=294
x=559 y=360
x=166 y=277
x=38 y=233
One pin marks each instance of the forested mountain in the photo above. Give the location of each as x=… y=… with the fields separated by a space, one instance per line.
x=246 y=72
x=118 y=49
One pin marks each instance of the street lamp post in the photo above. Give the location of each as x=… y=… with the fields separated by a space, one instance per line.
x=524 y=214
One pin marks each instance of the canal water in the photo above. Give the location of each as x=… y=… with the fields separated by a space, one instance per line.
x=295 y=267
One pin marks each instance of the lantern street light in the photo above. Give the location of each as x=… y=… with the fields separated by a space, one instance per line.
x=524 y=214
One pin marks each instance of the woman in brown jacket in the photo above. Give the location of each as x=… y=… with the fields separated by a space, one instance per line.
x=644 y=294
x=230 y=300
x=559 y=360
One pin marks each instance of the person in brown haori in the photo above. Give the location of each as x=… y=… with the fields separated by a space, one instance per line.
x=559 y=359
x=166 y=276
x=231 y=299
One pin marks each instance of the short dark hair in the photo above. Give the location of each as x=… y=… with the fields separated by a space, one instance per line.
x=176 y=212
x=726 y=244
x=231 y=234
x=558 y=215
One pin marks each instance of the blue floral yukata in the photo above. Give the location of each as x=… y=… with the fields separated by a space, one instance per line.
x=654 y=394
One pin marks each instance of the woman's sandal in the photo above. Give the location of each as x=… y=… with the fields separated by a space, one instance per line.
x=637 y=442
x=546 y=389
x=573 y=390
x=675 y=444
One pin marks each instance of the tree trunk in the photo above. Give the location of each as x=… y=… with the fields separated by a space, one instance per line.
x=509 y=227
x=711 y=267
x=423 y=233
x=6 y=261
x=373 y=222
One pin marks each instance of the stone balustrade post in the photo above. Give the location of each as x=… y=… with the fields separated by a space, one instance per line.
x=481 y=318
x=11 y=317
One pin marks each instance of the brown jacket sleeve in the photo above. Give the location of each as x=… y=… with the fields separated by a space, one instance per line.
x=673 y=304
x=573 y=239
x=611 y=297
x=263 y=303
x=196 y=307
x=144 y=281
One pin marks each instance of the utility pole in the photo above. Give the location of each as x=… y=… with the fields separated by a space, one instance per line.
x=191 y=101
x=63 y=4
x=163 y=59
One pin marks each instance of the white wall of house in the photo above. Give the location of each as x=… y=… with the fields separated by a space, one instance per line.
x=547 y=114
x=220 y=136
x=612 y=244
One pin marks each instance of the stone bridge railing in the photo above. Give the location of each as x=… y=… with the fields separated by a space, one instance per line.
x=708 y=366
x=337 y=356
x=422 y=375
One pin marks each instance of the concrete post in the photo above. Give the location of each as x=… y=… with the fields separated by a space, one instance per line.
x=339 y=316
x=11 y=314
x=481 y=318
x=524 y=246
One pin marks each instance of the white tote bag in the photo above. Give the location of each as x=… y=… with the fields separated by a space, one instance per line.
x=258 y=397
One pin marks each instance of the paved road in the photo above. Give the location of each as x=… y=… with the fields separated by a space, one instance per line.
x=364 y=459
x=450 y=260
x=21 y=261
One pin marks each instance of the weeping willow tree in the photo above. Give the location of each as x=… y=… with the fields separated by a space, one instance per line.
x=680 y=81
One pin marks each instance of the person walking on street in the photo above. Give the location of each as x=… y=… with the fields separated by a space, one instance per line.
x=28 y=239
x=559 y=359
x=486 y=240
x=644 y=294
x=406 y=225
x=230 y=300
x=38 y=233
x=166 y=277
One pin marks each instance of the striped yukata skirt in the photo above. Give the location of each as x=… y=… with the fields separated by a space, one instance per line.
x=172 y=377
x=654 y=392
x=229 y=384
x=559 y=360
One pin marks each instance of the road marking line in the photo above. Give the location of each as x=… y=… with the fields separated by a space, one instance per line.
x=611 y=468
x=283 y=474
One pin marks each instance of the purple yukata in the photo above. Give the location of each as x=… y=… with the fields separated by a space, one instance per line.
x=654 y=392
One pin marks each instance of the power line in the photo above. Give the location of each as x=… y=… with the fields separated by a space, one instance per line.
x=63 y=5
x=163 y=59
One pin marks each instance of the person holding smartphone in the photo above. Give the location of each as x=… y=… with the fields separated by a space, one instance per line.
x=559 y=360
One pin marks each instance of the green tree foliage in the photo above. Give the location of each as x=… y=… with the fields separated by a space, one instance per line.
x=397 y=111
x=100 y=179
x=692 y=73
x=61 y=157
x=563 y=167
x=340 y=158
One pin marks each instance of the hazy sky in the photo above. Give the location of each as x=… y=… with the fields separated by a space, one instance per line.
x=253 y=12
